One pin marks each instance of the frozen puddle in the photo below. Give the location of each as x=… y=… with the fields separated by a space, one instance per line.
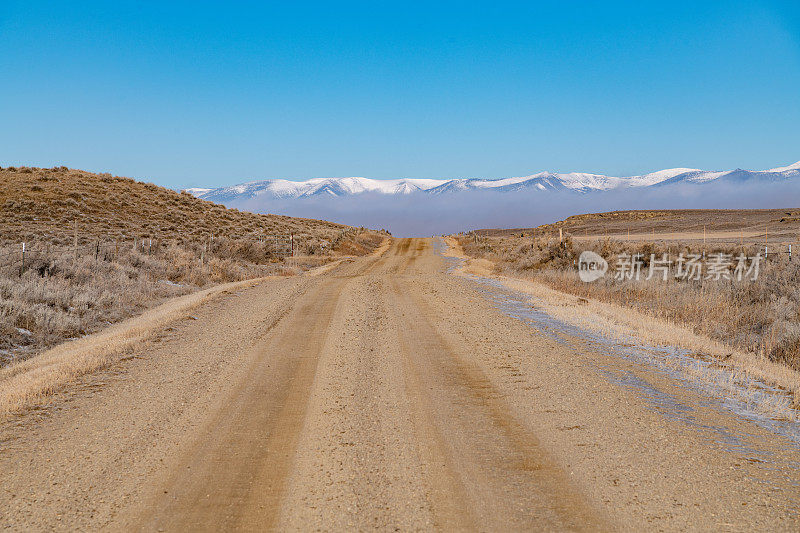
x=713 y=383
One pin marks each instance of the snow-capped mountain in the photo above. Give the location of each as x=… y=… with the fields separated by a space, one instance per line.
x=280 y=188
x=544 y=181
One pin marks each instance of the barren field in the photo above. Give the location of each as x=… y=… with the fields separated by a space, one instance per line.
x=716 y=226
x=386 y=393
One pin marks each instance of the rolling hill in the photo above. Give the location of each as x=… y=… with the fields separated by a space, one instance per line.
x=40 y=203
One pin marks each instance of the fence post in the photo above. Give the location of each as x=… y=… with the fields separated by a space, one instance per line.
x=291 y=239
x=22 y=269
x=75 y=243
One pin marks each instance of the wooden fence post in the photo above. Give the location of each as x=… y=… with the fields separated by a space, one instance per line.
x=22 y=268
x=75 y=244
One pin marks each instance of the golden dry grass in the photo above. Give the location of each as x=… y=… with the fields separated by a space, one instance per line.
x=44 y=204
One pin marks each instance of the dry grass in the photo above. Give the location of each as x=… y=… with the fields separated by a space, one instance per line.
x=59 y=297
x=44 y=204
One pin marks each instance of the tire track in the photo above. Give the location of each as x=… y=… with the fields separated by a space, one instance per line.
x=488 y=470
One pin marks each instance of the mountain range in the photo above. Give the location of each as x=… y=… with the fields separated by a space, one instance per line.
x=278 y=189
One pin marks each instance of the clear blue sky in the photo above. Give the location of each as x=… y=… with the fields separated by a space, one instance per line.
x=201 y=93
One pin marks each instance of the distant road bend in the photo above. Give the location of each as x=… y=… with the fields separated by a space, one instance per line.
x=382 y=394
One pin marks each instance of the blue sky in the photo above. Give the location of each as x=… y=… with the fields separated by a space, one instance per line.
x=209 y=94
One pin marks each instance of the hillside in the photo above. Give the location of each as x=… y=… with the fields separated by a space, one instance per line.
x=137 y=245
x=38 y=203
x=674 y=224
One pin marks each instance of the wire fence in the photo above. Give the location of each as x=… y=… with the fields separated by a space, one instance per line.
x=777 y=246
x=19 y=257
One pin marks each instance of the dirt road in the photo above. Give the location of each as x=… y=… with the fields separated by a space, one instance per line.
x=382 y=394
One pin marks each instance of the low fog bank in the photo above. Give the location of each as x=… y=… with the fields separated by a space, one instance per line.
x=422 y=214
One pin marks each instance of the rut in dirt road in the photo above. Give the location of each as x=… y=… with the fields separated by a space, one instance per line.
x=382 y=394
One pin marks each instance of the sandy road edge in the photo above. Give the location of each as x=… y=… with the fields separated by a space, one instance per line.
x=30 y=382
x=624 y=323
